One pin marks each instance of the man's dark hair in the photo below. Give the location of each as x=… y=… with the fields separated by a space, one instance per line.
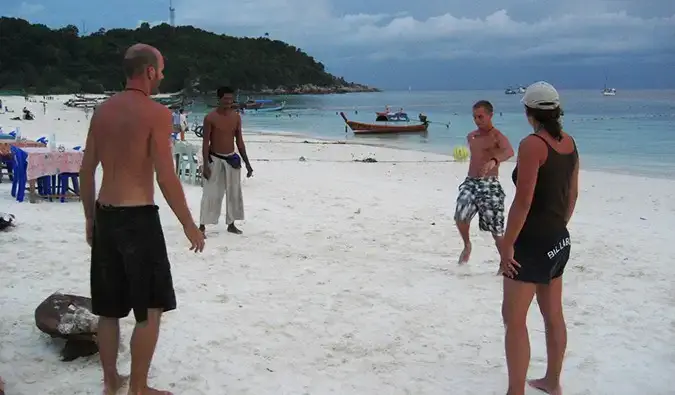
x=137 y=61
x=224 y=90
x=484 y=104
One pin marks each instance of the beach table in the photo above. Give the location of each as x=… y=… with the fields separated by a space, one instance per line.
x=6 y=146
x=6 y=150
x=45 y=162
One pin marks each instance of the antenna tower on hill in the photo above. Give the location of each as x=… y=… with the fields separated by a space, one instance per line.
x=172 y=14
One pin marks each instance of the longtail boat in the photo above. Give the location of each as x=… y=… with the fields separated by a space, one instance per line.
x=370 y=128
x=262 y=108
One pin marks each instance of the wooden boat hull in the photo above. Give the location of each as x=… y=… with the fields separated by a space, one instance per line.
x=369 y=128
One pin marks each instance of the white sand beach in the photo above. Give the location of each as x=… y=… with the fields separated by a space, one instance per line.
x=345 y=282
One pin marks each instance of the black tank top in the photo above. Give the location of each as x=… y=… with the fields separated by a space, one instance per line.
x=551 y=193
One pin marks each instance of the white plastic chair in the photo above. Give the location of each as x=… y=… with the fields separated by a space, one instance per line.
x=187 y=161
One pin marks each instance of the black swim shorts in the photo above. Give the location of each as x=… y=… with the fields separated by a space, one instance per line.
x=542 y=258
x=130 y=269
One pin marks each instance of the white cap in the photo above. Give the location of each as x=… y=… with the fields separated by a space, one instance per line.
x=542 y=96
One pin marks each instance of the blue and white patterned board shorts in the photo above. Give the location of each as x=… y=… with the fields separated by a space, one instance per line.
x=484 y=196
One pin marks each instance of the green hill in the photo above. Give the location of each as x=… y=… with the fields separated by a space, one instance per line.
x=41 y=60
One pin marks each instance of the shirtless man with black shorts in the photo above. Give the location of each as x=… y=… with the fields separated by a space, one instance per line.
x=481 y=193
x=222 y=164
x=130 y=135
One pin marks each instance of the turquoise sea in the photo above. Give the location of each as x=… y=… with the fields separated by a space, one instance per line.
x=632 y=132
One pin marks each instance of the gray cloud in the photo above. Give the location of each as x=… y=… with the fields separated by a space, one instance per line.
x=26 y=9
x=437 y=29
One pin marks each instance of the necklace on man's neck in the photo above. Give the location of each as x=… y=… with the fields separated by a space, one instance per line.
x=137 y=90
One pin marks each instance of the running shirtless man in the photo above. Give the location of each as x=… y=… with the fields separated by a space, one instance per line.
x=222 y=164
x=481 y=191
x=130 y=135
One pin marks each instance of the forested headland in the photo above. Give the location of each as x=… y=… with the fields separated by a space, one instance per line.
x=37 y=59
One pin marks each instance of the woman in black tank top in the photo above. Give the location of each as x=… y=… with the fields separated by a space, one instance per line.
x=536 y=244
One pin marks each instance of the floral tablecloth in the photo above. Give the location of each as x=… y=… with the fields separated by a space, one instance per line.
x=6 y=146
x=45 y=162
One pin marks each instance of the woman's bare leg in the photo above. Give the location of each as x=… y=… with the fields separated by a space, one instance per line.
x=517 y=299
x=549 y=298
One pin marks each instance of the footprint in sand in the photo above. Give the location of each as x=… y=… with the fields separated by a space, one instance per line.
x=222 y=298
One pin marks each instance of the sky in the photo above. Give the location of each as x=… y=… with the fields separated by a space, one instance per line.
x=425 y=44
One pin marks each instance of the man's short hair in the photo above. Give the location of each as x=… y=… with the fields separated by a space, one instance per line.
x=224 y=90
x=484 y=104
x=138 y=60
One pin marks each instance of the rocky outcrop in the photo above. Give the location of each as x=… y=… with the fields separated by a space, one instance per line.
x=310 y=89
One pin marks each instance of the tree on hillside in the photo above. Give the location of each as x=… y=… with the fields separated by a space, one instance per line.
x=36 y=58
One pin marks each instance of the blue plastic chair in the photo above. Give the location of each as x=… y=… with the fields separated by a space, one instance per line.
x=64 y=179
x=42 y=140
x=13 y=133
x=19 y=181
x=20 y=167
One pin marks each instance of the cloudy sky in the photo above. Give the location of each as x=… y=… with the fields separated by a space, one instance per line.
x=426 y=43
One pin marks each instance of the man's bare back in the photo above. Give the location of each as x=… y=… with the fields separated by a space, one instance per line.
x=123 y=128
x=484 y=147
x=130 y=136
x=223 y=126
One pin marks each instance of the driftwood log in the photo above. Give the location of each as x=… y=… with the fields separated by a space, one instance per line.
x=69 y=317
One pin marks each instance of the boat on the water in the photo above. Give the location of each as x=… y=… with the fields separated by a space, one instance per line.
x=608 y=91
x=511 y=91
x=266 y=105
x=263 y=108
x=378 y=128
x=391 y=116
x=82 y=101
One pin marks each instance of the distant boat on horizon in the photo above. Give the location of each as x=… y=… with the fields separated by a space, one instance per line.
x=511 y=91
x=608 y=91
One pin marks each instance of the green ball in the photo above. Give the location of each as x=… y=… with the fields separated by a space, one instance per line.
x=460 y=153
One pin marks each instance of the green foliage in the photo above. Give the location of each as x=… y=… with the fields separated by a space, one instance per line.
x=41 y=60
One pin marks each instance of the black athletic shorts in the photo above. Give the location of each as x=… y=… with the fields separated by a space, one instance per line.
x=541 y=257
x=130 y=268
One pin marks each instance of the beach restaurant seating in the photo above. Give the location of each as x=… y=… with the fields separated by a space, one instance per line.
x=64 y=180
x=19 y=181
x=49 y=186
x=6 y=162
x=186 y=157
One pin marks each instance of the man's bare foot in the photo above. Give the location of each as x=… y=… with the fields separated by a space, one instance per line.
x=544 y=386
x=233 y=229
x=113 y=388
x=150 y=391
x=202 y=228
x=465 y=255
